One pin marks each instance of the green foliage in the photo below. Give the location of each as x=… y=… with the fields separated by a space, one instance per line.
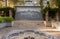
x=6 y=10
x=49 y=9
x=44 y=9
x=57 y=2
x=17 y=1
x=6 y=19
x=2 y=19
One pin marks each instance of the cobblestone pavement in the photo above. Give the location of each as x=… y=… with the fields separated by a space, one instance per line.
x=40 y=27
x=4 y=31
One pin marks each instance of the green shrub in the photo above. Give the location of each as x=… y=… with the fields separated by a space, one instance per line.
x=6 y=19
x=2 y=19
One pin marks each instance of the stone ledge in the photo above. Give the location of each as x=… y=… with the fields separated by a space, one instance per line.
x=28 y=24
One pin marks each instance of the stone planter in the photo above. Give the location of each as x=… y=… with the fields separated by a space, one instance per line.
x=5 y=24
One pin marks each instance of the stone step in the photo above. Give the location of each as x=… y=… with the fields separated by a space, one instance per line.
x=25 y=24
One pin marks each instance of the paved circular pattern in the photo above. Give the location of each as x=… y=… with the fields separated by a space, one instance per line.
x=26 y=34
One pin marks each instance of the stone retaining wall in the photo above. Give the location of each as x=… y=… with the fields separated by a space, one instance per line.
x=6 y=24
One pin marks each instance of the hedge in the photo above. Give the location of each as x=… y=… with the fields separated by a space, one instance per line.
x=6 y=19
x=6 y=10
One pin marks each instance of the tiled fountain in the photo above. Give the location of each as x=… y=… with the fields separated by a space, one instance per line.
x=28 y=19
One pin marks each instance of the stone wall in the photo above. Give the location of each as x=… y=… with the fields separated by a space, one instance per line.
x=6 y=24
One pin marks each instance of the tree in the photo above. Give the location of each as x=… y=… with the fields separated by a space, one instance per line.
x=13 y=1
x=57 y=3
x=18 y=1
x=41 y=3
x=0 y=3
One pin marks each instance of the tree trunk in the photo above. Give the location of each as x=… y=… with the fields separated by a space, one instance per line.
x=57 y=17
x=46 y=16
x=10 y=13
